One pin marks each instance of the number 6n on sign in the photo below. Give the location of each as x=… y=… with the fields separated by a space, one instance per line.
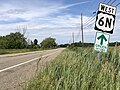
x=105 y=19
x=105 y=22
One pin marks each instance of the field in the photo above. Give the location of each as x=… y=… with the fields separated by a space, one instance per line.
x=80 y=69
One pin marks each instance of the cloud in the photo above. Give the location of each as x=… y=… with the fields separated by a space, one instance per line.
x=44 y=19
x=32 y=9
x=71 y=5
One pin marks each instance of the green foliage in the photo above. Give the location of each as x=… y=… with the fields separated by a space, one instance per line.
x=13 y=41
x=80 y=69
x=48 y=43
x=35 y=47
x=35 y=41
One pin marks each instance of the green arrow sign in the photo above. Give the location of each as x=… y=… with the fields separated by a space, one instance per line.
x=102 y=37
x=101 y=42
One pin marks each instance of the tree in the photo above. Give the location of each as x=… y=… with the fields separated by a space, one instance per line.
x=35 y=41
x=13 y=41
x=36 y=46
x=48 y=43
x=2 y=42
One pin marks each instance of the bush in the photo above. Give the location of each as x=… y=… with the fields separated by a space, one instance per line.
x=48 y=43
x=35 y=47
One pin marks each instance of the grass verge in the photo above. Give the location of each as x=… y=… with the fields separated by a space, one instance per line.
x=80 y=69
x=13 y=51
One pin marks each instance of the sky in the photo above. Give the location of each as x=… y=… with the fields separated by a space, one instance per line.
x=58 y=19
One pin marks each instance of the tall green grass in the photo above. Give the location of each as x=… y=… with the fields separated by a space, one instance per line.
x=80 y=69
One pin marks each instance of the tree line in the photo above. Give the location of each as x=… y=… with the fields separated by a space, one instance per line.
x=18 y=41
x=79 y=44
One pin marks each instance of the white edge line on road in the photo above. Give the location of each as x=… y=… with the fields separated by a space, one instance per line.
x=25 y=62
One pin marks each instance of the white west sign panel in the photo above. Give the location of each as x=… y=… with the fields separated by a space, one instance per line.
x=101 y=42
x=105 y=19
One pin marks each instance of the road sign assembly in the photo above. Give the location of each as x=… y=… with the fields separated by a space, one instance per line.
x=101 y=42
x=105 y=19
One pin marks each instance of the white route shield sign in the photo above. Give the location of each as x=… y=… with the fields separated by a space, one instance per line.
x=105 y=19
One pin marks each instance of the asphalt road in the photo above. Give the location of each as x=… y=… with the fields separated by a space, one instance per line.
x=16 y=70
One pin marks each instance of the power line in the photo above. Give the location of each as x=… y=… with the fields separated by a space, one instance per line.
x=104 y=1
x=92 y=18
x=89 y=20
x=93 y=14
x=91 y=4
x=109 y=1
x=90 y=23
x=112 y=2
x=117 y=4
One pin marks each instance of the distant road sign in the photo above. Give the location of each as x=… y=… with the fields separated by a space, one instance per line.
x=105 y=19
x=101 y=42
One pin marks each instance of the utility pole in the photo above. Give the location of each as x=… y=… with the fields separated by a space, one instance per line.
x=82 y=30
x=73 y=37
